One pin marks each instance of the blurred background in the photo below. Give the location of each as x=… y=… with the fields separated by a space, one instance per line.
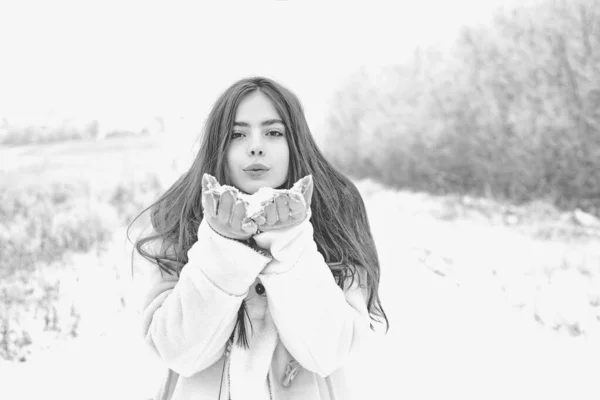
x=471 y=128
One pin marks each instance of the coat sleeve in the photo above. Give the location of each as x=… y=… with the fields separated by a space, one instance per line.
x=187 y=320
x=320 y=324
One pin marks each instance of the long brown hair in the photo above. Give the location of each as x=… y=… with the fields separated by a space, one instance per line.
x=341 y=227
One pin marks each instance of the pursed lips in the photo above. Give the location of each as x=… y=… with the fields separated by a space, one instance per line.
x=256 y=167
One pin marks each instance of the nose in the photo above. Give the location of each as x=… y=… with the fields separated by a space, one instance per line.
x=256 y=145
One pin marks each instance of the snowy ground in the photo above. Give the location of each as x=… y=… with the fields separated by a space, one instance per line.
x=453 y=334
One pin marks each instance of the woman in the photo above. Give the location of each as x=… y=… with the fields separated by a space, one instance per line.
x=273 y=312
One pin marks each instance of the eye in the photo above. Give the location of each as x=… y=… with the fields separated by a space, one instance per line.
x=236 y=135
x=274 y=133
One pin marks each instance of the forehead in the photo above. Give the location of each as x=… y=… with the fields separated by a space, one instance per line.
x=255 y=108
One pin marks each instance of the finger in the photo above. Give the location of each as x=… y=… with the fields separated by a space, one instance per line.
x=271 y=213
x=249 y=226
x=208 y=205
x=239 y=212
x=308 y=192
x=260 y=219
x=283 y=210
x=297 y=206
x=209 y=181
x=225 y=210
x=205 y=184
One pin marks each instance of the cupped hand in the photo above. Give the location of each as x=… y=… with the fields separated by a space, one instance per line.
x=289 y=209
x=224 y=213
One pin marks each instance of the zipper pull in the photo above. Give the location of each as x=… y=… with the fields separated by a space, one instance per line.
x=291 y=370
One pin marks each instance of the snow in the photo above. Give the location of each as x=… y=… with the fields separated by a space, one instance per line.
x=453 y=332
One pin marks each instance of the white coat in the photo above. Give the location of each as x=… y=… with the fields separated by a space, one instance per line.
x=304 y=326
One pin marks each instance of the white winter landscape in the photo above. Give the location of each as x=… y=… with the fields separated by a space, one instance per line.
x=455 y=332
x=485 y=300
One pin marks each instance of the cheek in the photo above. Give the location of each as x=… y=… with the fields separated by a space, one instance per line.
x=231 y=156
x=287 y=155
x=287 y=160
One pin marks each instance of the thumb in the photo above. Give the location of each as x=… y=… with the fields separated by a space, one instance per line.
x=308 y=191
x=209 y=181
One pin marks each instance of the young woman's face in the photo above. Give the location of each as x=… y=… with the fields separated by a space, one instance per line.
x=258 y=155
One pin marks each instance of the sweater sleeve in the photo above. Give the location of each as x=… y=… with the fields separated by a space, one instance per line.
x=187 y=320
x=320 y=324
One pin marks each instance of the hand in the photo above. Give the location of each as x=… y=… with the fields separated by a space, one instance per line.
x=224 y=213
x=288 y=209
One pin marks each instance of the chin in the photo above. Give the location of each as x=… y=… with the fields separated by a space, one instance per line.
x=252 y=187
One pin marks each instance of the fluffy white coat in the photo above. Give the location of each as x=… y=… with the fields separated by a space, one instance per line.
x=303 y=315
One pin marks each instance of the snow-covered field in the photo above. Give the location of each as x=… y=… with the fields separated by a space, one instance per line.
x=454 y=333
x=456 y=336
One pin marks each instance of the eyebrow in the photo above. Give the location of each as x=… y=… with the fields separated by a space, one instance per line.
x=264 y=123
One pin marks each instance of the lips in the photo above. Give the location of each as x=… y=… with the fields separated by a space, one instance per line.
x=256 y=167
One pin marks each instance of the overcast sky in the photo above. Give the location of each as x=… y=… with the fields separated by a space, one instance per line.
x=101 y=58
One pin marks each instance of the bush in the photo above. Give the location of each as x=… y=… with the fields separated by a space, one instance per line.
x=41 y=223
x=510 y=112
x=13 y=135
x=130 y=198
x=52 y=130
x=41 y=226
